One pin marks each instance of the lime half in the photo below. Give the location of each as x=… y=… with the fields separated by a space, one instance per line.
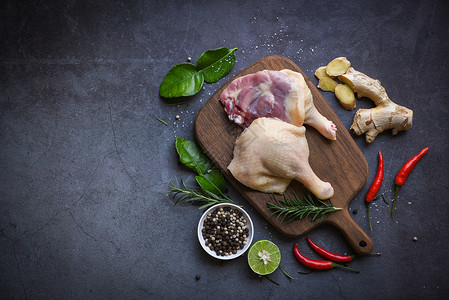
x=264 y=257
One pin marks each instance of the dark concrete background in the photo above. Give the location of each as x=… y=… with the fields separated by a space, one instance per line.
x=85 y=165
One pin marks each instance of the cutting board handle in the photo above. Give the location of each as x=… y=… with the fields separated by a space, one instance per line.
x=356 y=237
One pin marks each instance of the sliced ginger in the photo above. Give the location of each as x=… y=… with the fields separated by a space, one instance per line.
x=325 y=74
x=327 y=84
x=321 y=73
x=345 y=95
x=338 y=66
x=386 y=114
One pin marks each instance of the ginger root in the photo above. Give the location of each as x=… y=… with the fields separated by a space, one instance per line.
x=386 y=115
x=345 y=95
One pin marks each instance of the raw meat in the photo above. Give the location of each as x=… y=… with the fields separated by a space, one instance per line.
x=276 y=94
x=270 y=153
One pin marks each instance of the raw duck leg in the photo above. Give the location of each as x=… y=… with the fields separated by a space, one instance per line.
x=275 y=94
x=270 y=153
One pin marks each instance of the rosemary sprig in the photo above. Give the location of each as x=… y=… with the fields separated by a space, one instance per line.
x=301 y=207
x=204 y=198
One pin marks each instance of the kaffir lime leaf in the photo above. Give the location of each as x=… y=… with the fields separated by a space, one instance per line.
x=264 y=257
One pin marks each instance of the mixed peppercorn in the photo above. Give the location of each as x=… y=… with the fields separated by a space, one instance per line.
x=225 y=231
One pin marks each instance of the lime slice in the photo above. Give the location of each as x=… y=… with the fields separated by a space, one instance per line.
x=264 y=257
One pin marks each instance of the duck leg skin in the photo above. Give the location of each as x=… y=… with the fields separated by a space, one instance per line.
x=271 y=153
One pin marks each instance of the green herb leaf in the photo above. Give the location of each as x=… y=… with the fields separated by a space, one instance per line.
x=212 y=181
x=217 y=63
x=191 y=155
x=290 y=277
x=162 y=121
x=182 y=80
x=271 y=280
x=186 y=79
x=304 y=273
x=176 y=103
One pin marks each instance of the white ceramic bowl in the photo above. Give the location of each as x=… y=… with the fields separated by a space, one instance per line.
x=249 y=225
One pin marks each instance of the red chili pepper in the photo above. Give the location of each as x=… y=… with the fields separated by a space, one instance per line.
x=404 y=172
x=329 y=255
x=375 y=186
x=377 y=180
x=318 y=264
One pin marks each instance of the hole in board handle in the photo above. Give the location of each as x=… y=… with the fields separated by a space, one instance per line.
x=362 y=244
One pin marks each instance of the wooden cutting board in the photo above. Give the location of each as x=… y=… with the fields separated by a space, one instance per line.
x=339 y=162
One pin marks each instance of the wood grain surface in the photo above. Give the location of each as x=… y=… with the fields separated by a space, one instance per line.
x=339 y=162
